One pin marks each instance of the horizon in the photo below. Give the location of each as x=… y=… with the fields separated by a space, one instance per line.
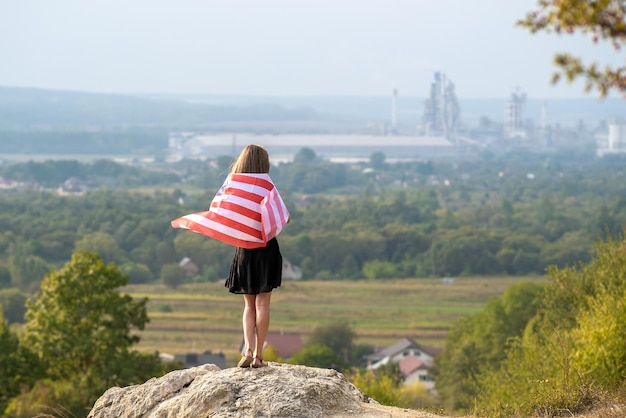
x=363 y=108
x=156 y=94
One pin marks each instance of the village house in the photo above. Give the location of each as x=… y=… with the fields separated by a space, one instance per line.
x=291 y=272
x=188 y=267
x=414 y=361
x=284 y=344
x=72 y=187
x=8 y=184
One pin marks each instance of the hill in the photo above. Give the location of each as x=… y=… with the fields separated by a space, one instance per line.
x=38 y=108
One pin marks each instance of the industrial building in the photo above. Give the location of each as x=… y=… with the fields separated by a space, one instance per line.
x=614 y=142
x=333 y=147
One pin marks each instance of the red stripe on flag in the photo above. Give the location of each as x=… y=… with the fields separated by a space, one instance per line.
x=185 y=223
x=256 y=181
x=253 y=197
x=241 y=210
x=236 y=225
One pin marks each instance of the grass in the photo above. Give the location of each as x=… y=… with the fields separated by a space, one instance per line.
x=200 y=317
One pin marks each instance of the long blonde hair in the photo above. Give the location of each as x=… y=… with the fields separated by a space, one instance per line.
x=253 y=159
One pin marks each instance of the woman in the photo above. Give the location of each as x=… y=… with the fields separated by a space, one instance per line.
x=248 y=212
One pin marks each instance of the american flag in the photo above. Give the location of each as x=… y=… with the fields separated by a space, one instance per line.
x=246 y=212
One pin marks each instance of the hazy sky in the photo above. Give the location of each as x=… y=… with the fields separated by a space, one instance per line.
x=282 y=47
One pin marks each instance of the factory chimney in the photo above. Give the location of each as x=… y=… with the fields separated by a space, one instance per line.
x=394 y=121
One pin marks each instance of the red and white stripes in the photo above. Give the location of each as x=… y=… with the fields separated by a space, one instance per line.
x=246 y=212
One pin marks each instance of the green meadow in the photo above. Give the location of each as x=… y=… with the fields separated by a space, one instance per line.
x=200 y=317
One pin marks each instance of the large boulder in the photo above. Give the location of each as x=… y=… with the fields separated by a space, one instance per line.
x=280 y=390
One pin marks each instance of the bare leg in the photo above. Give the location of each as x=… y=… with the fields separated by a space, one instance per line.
x=249 y=322
x=262 y=323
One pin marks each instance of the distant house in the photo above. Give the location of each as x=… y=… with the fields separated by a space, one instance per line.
x=72 y=187
x=413 y=359
x=183 y=200
x=413 y=369
x=188 y=267
x=285 y=344
x=291 y=272
x=7 y=184
x=447 y=280
x=189 y=360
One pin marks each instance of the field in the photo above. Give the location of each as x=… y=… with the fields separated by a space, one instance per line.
x=200 y=317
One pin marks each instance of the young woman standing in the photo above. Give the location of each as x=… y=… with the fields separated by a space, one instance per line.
x=248 y=212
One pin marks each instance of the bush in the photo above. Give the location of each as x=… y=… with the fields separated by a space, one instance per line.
x=572 y=354
x=380 y=387
x=377 y=269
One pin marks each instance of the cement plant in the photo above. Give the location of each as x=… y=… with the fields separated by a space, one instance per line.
x=441 y=132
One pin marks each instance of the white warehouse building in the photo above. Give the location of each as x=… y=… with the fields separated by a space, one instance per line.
x=615 y=142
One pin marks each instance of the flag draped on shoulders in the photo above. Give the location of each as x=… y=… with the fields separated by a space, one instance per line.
x=246 y=212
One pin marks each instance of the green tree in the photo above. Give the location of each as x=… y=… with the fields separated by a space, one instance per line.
x=603 y=21
x=5 y=276
x=172 y=275
x=305 y=155
x=349 y=268
x=83 y=328
x=308 y=268
x=506 y=207
x=138 y=273
x=270 y=353
x=100 y=243
x=600 y=340
x=338 y=336
x=18 y=366
x=380 y=387
x=377 y=269
x=13 y=303
x=573 y=350
x=317 y=356
x=27 y=271
x=56 y=246
x=480 y=343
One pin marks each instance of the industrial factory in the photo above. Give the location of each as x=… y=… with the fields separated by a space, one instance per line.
x=440 y=132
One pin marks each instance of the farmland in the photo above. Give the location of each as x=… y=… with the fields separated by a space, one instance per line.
x=200 y=317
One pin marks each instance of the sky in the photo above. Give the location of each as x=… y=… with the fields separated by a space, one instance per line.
x=283 y=47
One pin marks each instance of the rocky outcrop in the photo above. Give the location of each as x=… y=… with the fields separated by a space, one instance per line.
x=280 y=390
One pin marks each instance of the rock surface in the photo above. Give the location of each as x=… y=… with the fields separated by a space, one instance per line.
x=280 y=390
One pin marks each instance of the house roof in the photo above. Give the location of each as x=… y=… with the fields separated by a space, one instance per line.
x=402 y=345
x=285 y=344
x=409 y=364
x=432 y=351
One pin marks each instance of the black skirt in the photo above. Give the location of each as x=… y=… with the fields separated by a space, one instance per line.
x=256 y=270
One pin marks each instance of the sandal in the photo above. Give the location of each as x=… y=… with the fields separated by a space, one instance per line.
x=246 y=360
x=260 y=364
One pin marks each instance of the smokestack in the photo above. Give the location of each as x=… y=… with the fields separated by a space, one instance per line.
x=393 y=110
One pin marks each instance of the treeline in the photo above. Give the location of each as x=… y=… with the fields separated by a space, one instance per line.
x=411 y=220
x=107 y=141
x=96 y=175
x=541 y=350
x=396 y=234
